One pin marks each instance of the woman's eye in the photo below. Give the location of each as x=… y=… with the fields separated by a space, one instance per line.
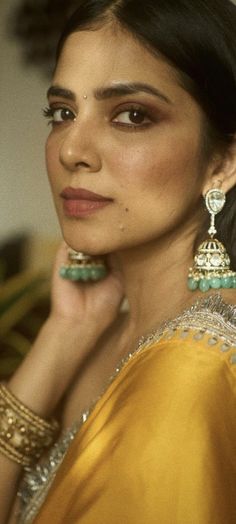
x=58 y=115
x=132 y=117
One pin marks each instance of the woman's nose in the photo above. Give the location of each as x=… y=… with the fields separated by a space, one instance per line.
x=79 y=151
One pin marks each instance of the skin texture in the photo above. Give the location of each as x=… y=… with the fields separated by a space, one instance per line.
x=151 y=172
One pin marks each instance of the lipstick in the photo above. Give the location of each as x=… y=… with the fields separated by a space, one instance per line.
x=81 y=202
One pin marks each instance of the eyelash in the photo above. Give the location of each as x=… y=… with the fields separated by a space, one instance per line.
x=132 y=109
x=49 y=113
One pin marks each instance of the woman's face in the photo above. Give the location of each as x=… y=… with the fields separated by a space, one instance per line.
x=123 y=128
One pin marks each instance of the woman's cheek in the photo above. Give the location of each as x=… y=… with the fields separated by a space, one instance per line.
x=52 y=160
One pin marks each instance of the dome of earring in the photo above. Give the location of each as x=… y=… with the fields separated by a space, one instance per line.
x=211 y=256
x=211 y=267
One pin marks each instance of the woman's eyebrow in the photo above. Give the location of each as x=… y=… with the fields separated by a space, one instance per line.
x=121 y=89
x=116 y=90
x=61 y=92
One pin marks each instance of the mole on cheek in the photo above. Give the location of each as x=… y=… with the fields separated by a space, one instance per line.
x=126 y=209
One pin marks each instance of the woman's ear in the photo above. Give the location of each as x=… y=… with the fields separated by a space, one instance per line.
x=221 y=171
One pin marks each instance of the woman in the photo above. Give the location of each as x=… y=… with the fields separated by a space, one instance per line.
x=143 y=115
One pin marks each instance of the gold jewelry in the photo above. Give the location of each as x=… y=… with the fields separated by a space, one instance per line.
x=212 y=263
x=24 y=436
x=83 y=267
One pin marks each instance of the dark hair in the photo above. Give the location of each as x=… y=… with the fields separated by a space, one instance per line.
x=198 y=38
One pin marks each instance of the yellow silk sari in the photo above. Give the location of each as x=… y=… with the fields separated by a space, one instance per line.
x=160 y=445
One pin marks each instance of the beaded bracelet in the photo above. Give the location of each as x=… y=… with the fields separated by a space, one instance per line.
x=24 y=436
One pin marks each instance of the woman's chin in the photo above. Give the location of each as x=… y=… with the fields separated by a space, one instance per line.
x=93 y=247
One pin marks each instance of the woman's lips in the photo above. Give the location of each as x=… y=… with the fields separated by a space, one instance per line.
x=81 y=202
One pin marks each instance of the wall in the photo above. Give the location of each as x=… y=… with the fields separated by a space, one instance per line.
x=25 y=200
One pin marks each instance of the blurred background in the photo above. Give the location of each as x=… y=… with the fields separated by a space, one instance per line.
x=26 y=205
x=29 y=233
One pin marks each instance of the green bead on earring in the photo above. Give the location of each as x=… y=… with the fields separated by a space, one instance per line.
x=83 y=268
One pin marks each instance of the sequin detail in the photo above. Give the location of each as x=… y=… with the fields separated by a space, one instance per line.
x=208 y=315
x=233 y=359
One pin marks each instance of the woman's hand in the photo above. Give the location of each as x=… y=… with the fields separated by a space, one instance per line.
x=80 y=313
x=85 y=304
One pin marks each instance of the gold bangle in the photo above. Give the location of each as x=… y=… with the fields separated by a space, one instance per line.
x=24 y=436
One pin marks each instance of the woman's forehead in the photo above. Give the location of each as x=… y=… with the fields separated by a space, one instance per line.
x=103 y=58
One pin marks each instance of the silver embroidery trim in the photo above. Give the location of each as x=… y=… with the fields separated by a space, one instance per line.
x=208 y=315
x=36 y=482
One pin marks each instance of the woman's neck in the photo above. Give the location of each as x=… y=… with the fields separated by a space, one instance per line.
x=155 y=281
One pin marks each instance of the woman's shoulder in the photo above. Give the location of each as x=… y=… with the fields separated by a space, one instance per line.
x=196 y=351
x=189 y=364
x=209 y=322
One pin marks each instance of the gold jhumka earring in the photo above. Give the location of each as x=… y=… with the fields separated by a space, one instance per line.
x=211 y=269
x=84 y=268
